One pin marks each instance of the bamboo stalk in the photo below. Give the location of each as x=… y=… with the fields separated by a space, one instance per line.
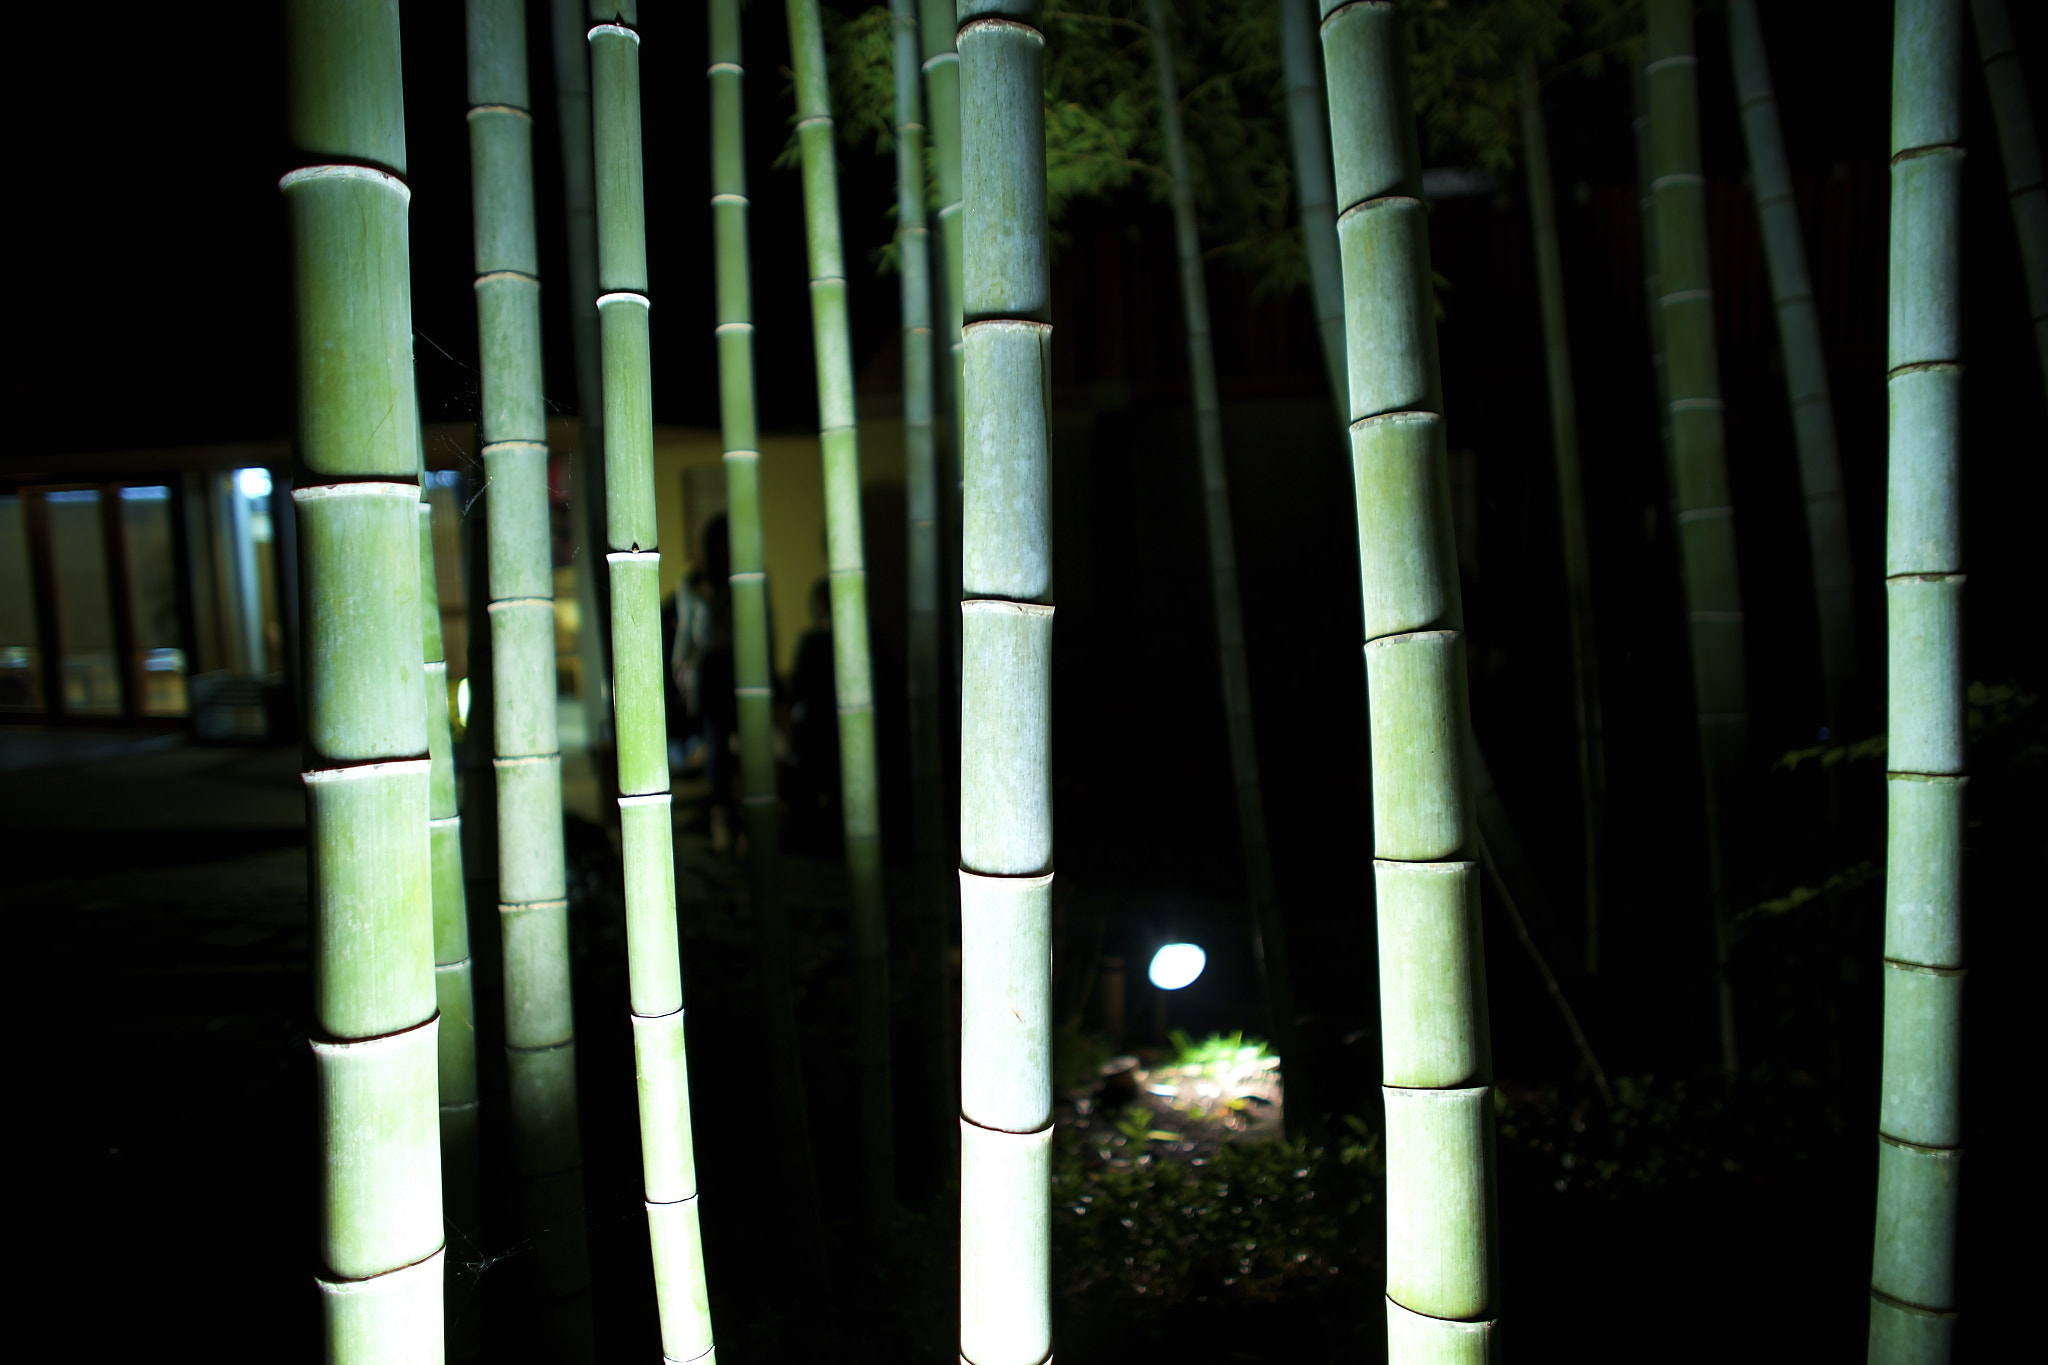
x=1912 y=1280
x=937 y=26
x=2019 y=140
x=1006 y=693
x=1269 y=941
x=753 y=649
x=930 y=843
x=376 y=1027
x=1571 y=498
x=579 y=195
x=653 y=952
x=454 y=986
x=1806 y=372
x=846 y=559
x=1308 y=127
x=1698 y=457
x=533 y=907
x=1442 y=1260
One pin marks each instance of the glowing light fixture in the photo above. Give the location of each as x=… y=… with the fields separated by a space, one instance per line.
x=462 y=702
x=1176 y=965
x=254 y=482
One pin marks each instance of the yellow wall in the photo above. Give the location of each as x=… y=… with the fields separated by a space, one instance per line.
x=792 y=502
x=792 y=512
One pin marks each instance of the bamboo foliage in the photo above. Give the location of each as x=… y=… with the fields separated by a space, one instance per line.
x=1308 y=127
x=2019 y=139
x=654 y=962
x=1442 y=1277
x=1268 y=933
x=533 y=906
x=846 y=561
x=376 y=1027
x=1571 y=498
x=1806 y=373
x=921 y=496
x=753 y=658
x=1006 y=692
x=1912 y=1282
x=579 y=196
x=1698 y=457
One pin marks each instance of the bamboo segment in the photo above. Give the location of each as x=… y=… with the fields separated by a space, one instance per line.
x=1426 y=914
x=1006 y=689
x=930 y=842
x=388 y=1320
x=2019 y=139
x=355 y=539
x=1698 y=458
x=1005 y=1244
x=753 y=652
x=1571 y=498
x=937 y=25
x=1269 y=943
x=668 y=1165
x=1442 y=1287
x=527 y=767
x=1308 y=128
x=382 y=1204
x=1913 y=1293
x=846 y=558
x=371 y=883
x=1806 y=376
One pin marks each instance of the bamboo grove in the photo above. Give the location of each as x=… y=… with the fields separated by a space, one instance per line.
x=1009 y=123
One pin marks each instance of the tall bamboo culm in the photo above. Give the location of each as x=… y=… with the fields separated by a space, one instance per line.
x=1919 y=1117
x=647 y=833
x=1698 y=456
x=1571 y=496
x=2019 y=139
x=846 y=562
x=937 y=25
x=1269 y=940
x=930 y=842
x=1442 y=1276
x=376 y=1029
x=1006 y=693
x=1806 y=371
x=753 y=658
x=1308 y=128
x=533 y=906
x=454 y=985
x=586 y=497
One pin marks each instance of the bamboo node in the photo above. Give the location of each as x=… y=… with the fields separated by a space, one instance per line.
x=980 y=25
x=514 y=109
x=632 y=556
x=998 y=605
x=930 y=63
x=493 y=276
x=1367 y=205
x=1924 y=968
x=724 y=69
x=525 y=760
x=651 y=799
x=386 y=768
x=370 y=489
x=1696 y=405
x=560 y=902
x=729 y=198
x=389 y=1042
x=1676 y=59
x=445 y=822
x=624 y=296
x=508 y=603
x=1686 y=515
x=612 y=31
x=369 y=173
x=491 y=448
x=1916 y=366
x=1883 y=1136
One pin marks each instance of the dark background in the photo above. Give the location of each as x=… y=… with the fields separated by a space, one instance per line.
x=152 y=310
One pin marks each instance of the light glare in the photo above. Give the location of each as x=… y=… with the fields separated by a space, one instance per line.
x=254 y=482
x=1176 y=966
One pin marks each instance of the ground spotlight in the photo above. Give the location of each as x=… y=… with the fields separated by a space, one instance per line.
x=1176 y=965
